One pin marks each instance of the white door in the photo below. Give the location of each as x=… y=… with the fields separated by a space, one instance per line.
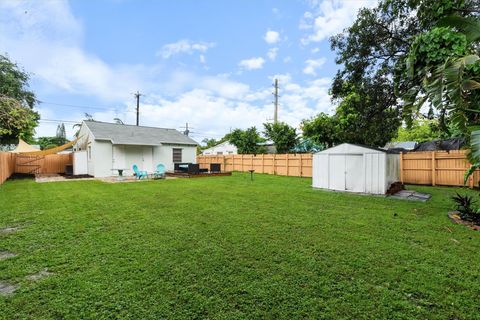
x=354 y=173
x=118 y=157
x=336 y=174
x=147 y=160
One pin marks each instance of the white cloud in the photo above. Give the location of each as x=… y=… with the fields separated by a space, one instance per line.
x=311 y=66
x=252 y=63
x=272 y=37
x=183 y=46
x=48 y=41
x=45 y=38
x=272 y=53
x=330 y=17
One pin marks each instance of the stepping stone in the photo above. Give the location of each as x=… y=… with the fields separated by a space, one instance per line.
x=411 y=195
x=8 y=230
x=4 y=255
x=40 y=275
x=7 y=289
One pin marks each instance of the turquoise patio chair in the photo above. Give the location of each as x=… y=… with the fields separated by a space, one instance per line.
x=160 y=172
x=139 y=174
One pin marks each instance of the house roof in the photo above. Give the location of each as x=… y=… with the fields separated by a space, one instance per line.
x=350 y=147
x=408 y=145
x=136 y=135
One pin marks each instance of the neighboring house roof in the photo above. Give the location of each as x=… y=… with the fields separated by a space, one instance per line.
x=407 y=145
x=136 y=135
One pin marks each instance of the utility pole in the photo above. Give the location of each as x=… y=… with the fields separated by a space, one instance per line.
x=137 y=96
x=275 y=94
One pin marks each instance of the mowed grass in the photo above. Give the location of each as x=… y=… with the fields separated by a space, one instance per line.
x=229 y=248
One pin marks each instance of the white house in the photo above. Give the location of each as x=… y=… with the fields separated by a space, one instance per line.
x=354 y=168
x=222 y=148
x=105 y=147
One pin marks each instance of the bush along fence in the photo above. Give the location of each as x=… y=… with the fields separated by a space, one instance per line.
x=295 y=165
x=446 y=168
x=11 y=163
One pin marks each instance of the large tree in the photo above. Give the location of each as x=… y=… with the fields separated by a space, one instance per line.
x=283 y=136
x=246 y=141
x=373 y=53
x=17 y=119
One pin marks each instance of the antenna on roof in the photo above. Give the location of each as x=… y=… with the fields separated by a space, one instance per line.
x=186 y=131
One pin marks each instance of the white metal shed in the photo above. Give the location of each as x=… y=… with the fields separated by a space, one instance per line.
x=355 y=168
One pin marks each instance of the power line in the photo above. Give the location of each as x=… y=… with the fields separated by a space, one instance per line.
x=83 y=107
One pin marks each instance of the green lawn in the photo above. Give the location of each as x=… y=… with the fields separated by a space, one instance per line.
x=229 y=248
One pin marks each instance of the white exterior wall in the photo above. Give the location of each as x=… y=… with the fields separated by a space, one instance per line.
x=355 y=169
x=375 y=173
x=223 y=148
x=101 y=158
x=393 y=169
x=80 y=165
x=164 y=154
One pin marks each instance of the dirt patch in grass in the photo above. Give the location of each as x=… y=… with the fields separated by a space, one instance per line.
x=8 y=230
x=40 y=275
x=7 y=289
x=4 y=255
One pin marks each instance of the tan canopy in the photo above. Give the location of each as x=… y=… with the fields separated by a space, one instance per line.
x=26 y=149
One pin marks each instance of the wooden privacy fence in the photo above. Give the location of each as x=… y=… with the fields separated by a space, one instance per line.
x=445 y=168
x=16 y=163
x=296 y=165
x=52 y=163
x=7 y=165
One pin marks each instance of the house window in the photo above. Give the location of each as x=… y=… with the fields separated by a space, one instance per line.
x=89 y=152
x=219 y=153
x=177 y=155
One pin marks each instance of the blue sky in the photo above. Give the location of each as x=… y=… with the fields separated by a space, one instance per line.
x=208 y=63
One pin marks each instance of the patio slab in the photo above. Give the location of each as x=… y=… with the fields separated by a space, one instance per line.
x=411 y=195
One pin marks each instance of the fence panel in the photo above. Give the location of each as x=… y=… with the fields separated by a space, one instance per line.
x=7 y=165
x=445 y=168
x=55 y=163
x=298 y=165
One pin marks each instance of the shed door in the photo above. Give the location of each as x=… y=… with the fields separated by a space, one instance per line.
x=354 y=173
x=336 y=175
x=147 y=159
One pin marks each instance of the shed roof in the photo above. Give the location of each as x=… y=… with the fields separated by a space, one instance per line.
x=351 y=148
x=136 y=135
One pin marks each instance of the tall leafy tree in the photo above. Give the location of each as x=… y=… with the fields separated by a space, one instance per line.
x=283 y=136
x=322 y=130
x=17 y=119
x=374 y=52
x=246 y=141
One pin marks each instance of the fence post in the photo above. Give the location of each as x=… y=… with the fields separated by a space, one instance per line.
x=434 y=171
x=241 y=163
x=287 y=162
x=301 y=166
x=274 y=164
x=263 y=162
x=401 y=167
